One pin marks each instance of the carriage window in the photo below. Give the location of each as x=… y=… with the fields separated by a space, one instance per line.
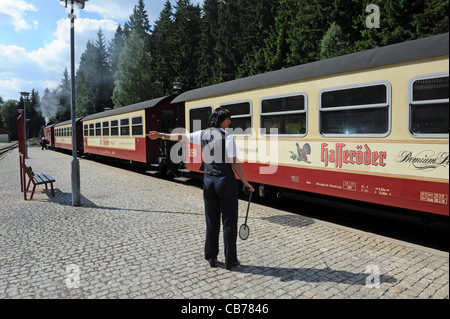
x=125 y=127
x=91 y=129
x=136 y=126
x=355 y=111
x=285 y=114
x=85 y=130
x=198 y=118
x=429 y=104
x=105 y=126
x=115 y=128
x=241 y=118
x=98 y=129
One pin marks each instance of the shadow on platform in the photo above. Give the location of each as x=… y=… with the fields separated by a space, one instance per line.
x=290 y=220
x=66 y=200
x=314 y=274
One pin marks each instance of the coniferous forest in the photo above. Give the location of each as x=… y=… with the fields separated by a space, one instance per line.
x=224 y=40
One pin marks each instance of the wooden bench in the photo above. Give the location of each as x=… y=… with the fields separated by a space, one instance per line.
x=38 y=179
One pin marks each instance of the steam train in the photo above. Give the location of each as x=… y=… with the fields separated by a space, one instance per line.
x=371 y=126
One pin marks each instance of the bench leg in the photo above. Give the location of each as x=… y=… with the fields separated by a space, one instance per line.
x=28 y=186
x=25 y=191
x=53 y=192
x=32 y=192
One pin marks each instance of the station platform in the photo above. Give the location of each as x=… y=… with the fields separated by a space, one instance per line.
x=140 y=237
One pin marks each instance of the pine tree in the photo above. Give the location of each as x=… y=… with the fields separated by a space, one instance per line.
x=115 y=48
x=310 y=24
x=63 y=112
x=133 y=82
x=277 y=43
x=139 y=23
x=334 y=43
x=208 y=44
x=94 y=81
x=33 y=113
x=104 y=80
x=434 y=19
x=162 y=44
x=229 y=57
x=186 y=39
x=256 y=18
x=8 y=115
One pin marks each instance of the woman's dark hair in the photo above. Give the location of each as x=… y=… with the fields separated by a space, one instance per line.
x=218 y=116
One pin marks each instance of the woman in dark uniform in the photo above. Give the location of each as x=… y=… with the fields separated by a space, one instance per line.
x=220 y=192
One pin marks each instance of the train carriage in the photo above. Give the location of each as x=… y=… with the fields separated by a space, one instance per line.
x=370 y=126
x=49 y=135
x=62 y=134
x=120 y=132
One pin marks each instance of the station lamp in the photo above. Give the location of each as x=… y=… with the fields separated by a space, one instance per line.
x=78 y=3
x=75 y=177
x=177 y=86
x=25 y=96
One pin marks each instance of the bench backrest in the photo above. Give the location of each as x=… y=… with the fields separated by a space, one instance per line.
x=28 y=169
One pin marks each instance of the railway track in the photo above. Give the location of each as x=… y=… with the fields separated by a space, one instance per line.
x=7 y=149
x=31 y=142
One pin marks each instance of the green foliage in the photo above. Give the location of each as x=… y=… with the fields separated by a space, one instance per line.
x=8 y=116
x=133 y=82
x=94 y=79
x=228 y=39
x=63 y=96
x=334 y=43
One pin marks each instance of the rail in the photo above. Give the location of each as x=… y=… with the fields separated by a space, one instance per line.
x=8 y=148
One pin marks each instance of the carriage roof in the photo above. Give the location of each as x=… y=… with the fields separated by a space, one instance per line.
x=430 y=47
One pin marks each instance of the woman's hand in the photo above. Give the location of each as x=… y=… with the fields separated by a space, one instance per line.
x=248 y=187
x=153 y=135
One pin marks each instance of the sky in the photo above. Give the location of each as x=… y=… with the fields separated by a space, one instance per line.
x=35 y=38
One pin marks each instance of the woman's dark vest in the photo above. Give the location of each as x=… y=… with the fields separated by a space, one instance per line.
x=215 y=158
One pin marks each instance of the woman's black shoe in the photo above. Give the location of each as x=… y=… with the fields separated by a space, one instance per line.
x=232 y=265
x=212 y=262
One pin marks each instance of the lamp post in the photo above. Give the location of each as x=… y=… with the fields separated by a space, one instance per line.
x=25 y=100
x=76 y=195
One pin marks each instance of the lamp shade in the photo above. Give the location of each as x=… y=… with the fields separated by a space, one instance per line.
x=78 y=3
